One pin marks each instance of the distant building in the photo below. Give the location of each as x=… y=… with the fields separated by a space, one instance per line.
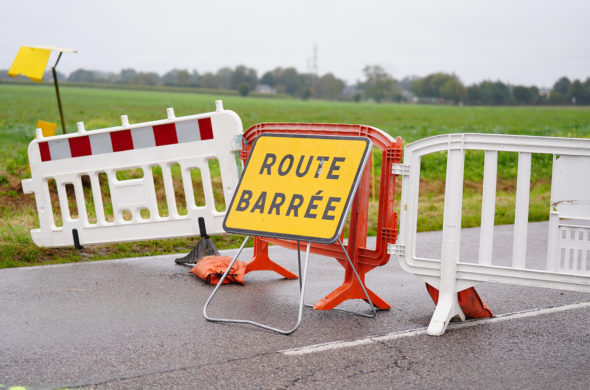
x=409 y=96
x=350 y=90
x=265 y=89
x=545 y=92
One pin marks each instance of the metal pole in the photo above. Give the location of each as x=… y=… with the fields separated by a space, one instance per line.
x=61 y=113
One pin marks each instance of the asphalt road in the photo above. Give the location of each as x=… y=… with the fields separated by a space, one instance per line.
x=138 y=323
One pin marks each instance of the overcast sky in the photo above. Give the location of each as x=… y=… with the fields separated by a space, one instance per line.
x=520 y=42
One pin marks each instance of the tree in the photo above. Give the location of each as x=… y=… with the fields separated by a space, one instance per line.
x=290 y=79
x=82 y=76
x=224 y=76
x=406 y=82
x=243 y=75
x=379 y=85
x=439 y=85
x=525 y=95
x=494 y=93
x=268 y=79
x=586 y=91
x=555 y=97
x=452 y=90
x=562 y=86
x=209 y=80
x=128 y=76
x=472 y=94
x=183 y=78
x=329 y=87
x=489 y=93
x=244 y=89
x=149 y=78
x=575 y=93
x=170 y=77
x=195 y=78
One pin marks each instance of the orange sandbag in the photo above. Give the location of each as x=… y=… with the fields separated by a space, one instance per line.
x=211 y=269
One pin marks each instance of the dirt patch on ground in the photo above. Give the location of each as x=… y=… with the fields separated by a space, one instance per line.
x=11 y=193
x=17 y=202
x=436 y=186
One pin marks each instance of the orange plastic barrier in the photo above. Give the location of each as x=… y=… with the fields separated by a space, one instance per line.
x=364 y=259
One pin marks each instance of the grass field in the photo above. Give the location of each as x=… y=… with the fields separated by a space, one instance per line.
x=22 y=105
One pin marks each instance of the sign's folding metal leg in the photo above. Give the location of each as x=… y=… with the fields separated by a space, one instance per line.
x=373 y=309
x=302 y=278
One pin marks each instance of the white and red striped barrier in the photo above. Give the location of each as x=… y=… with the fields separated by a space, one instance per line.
x=190 y=142
x=126 y=139
x=568 y=253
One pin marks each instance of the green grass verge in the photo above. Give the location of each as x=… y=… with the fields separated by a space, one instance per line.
x=22 y=105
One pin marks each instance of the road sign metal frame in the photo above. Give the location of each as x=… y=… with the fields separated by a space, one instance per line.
x=302 y=282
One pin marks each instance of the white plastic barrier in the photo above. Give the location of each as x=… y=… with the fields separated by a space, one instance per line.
x=568 y=254
x=189 y=141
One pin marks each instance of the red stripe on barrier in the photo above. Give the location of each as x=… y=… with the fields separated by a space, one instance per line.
x=165 y=134
x=206 y=129
x=80 y=146
x=121 y=140
x=44 y=150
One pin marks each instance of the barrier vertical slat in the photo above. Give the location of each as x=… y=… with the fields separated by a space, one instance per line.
x=80 y=201
x=66 y=216
x=521 y=212
x=409 y=203
x=227 y=172
x=448 y=305
x=187 y=185
x=453 y=197
x=97 y=196
x=553 y=251
x=46 y=217
x=148 y=177
x=207 y=185
x=554 y=236
x=488 y=207
x=169 y=189
x=112 y=181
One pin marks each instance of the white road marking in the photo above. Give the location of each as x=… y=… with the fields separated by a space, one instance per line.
x=420 y=331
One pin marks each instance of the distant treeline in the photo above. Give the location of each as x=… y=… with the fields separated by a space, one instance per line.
x=378 y=86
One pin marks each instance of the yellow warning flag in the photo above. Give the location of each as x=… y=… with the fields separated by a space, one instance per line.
x=48 y=128
x=30 y=62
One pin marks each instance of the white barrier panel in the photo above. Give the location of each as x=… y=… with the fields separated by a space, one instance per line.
x=568 y=254
x=190 y=141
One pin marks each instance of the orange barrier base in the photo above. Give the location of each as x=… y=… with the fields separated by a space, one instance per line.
x=469 y=300
x=261 y=262
x=351 y=289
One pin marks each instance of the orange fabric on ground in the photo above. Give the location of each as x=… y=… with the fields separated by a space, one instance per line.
x=211 y=269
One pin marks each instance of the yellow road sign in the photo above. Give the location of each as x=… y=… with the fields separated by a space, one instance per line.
x=297 y=186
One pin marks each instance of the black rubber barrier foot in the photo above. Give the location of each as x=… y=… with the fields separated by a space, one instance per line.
x=205 y=247
x=76 y=239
